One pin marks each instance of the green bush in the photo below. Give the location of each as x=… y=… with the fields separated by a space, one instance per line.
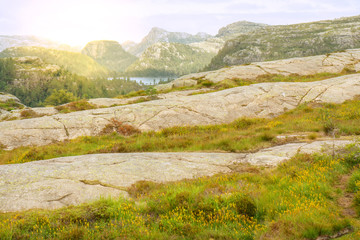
x=59 y=97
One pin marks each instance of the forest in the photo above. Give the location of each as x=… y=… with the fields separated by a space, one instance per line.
x=33 y=88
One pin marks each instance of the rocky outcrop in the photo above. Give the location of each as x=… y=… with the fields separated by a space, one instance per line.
x=258 y=100
x=5 y=97
x=97 y=102
x=108 y=102
x=330 y=63
x=8 y=102
x=73 y=180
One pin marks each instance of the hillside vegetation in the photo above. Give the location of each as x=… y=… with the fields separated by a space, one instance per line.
x=297 y=200
x=169 y=59
x=237 y=28
x=76 y=63
x=33 y=81
x=109 y=54
x=287 y=41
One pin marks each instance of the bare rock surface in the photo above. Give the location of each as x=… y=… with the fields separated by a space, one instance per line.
x=258 y=100
x=108 y=102
x=4 y=97
x=330 y=63
x=73 y=180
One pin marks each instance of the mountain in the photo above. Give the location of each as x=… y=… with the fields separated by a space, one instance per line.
x=109 y=54
x=169 y=59
x=286 y=41
x=160 y=35
x=74 y=62
x=211 y=45
x=128 y=44
x=239 y=28
x=21 y=41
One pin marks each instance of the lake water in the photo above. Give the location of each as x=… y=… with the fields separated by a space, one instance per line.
x=150 y=80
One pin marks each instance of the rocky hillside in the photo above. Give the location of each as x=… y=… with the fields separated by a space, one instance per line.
x=109 y=54
x=348 y=61
x=211 y=45
x=76 y=63
x=286 y=41
x=160 y=35
x=258 y=100
x=237 y=28
x=169 y=59
x=21 y=41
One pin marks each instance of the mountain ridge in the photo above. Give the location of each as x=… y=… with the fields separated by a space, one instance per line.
x=157 y=34
x=110 y=54
x=287 y=41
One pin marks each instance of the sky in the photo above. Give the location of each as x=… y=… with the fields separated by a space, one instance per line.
x=76 y=22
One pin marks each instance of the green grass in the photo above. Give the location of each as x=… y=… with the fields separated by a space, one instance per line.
x=10 y=104
x=296 y=200
x=242 y=135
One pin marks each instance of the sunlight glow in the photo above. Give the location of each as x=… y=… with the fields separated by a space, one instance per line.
x=79 y=22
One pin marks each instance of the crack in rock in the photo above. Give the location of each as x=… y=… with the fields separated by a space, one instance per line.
x=156 y=114
x=97 y=182
x=322 y=92
x=215 y=120
x=302 y=98
x=59 y=199
x=65 y=128
x=261 y=68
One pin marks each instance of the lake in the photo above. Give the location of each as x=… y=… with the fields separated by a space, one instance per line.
x=147 y=80
x=150 y=80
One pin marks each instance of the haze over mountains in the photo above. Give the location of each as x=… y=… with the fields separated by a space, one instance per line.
x=20 y=41
x=164 y=53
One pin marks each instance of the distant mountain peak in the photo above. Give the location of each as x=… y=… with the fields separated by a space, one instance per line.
x=239 y=27
x=157 y=29
x=157 y=34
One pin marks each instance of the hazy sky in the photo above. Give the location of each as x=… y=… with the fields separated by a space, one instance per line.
x=78 y=21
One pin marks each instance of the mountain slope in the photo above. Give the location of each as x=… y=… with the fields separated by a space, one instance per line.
x=160 y=35
x=109 y=54
x=74 y=62
x=169 y=59
x=286 y=41
x=238 y=28
x=7 y=41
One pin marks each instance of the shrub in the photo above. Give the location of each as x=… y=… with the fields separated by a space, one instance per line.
x=119 y=127
x=29 y=113
x=75 y=106
x=141 y=188
x=244 y=205
x=60 y=97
